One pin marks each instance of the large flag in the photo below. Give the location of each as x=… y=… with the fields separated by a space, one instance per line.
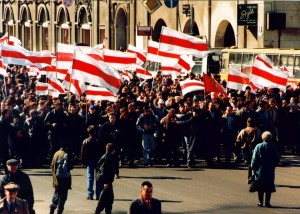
x=141 y=57
x=188 y=86
x=14 y=41
x=265 y=75
x=126 y=76
x=17 y=55
x=120 y=60
x=143 y=73
x=100 y=46
x=97 y=93
x=89 y=70
x=237 y=80
x=173 y=44
x=211 y=85
x=54 y=85
x=64 y=59
x=95 y=53
x=75 y=86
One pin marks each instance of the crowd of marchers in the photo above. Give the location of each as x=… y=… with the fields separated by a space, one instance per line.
x=150 y=120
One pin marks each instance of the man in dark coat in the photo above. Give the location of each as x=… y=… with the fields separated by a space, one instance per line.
x=146 y=204
x=22 y=179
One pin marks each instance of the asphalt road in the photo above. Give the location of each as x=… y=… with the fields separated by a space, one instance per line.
x=181 y=190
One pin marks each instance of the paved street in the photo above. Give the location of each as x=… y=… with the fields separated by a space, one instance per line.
x=181 y=190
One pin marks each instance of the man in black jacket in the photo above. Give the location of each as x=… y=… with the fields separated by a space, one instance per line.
x=106 y=167
x=146 y=204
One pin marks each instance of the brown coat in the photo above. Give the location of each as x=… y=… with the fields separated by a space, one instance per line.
x=21 y=207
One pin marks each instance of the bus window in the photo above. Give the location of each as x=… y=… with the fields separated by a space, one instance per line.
x=235 y=60
x=197 y=68
x=224 y=61
x=297 y=66
x=247 y=63
x=275 y=59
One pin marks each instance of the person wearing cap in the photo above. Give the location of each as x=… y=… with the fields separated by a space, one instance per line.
x=61 y=184
x=11 y=203
x=263 y=163
x=22 y=179
x=106 y=166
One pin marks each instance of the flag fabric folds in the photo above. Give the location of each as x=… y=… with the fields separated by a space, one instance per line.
x=174 y=43
x=143 y=73
x=141 y=57
x=265 y=75
x=120 y=60
x=188 y=86
x=97 y=93
x=87 y=69
x=211 y=85
x=237 y=80
x=64 y=59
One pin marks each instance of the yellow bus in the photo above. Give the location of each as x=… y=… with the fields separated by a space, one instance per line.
x=242 y=60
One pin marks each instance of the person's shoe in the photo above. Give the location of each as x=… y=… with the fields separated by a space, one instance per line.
x=117 y=176
x=89 y=198
x=97 y=198
x=268 y=205
x=168 y=165
x=145 y=165
x=259 y=204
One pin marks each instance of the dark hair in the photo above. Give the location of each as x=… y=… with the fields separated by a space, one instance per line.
x=91 y=130
x=147 y=183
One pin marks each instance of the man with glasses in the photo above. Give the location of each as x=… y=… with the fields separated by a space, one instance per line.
x=146 y=204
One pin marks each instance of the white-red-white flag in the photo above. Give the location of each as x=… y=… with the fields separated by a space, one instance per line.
x=64 y=59
x=77 y=87
x=97 y=93
x=177 y=43
x=95 y=53
x=152 y=52
x=237 y=80
x=141 y=57
x=289 y=71
x=170 y=68
x=187 y=63
x=14 y=41
x=54 y=85
x=16 y=55
x=4 y=38
x=142 y=73
x=188 y=86
x=87 y=69
x=120 y=60
x=265 y=75
x=41 y=88
x=3 y=68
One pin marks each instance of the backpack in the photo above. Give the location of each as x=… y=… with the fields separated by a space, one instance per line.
x=62 y=169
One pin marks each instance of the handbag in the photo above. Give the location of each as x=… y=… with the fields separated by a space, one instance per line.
x=254 y=184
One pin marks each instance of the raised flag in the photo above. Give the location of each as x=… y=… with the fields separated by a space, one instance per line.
x=54 y=84
x=188 y=86
x=237 y=80
x=64 y=59
x=126 y=76
x=152 y=51
x=16 y=55
x=120 y=60
x=142 y=73
x=265 y=75
x=173 y=44
x=141 y=57
x=170 y=68
x=41 y=88
x=100 y=46
x=14 y=41
x=186 y=62
x=89 y=70
x=97 y=93
x=211 y=85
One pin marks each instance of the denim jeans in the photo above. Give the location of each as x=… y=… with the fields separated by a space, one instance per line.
x=90 y=170
x=148 y=143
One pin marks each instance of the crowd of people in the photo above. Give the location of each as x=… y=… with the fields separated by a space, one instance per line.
x=150 y=120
